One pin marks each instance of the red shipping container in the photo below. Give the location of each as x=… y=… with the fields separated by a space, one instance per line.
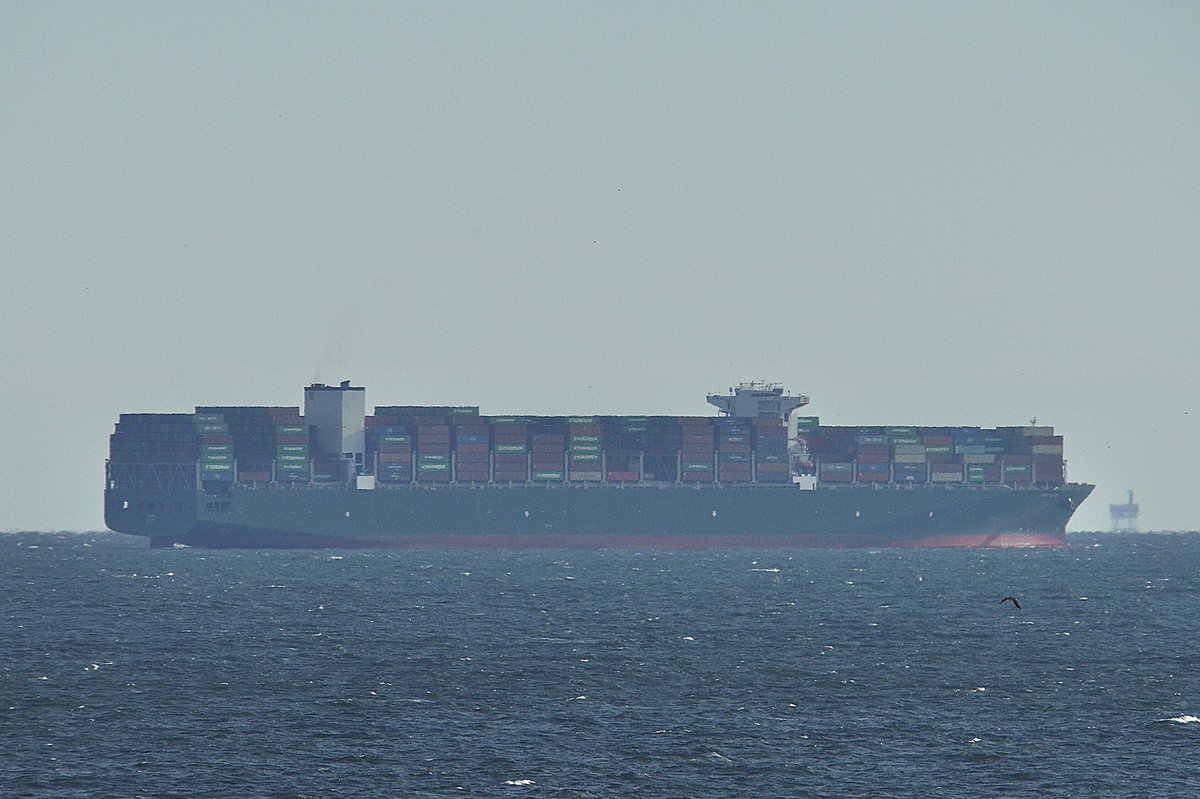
x=767 y=422
x=430 y=421
x=471 y=448
x=584 y=429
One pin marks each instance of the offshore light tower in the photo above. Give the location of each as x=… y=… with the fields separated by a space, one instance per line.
x=1124 y=517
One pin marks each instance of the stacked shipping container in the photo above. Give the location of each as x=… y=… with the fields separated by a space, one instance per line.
x=267 y=442
x=918 y=455
x=432 y=445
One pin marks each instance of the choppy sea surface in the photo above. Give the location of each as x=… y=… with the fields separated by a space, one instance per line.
x=132 y=672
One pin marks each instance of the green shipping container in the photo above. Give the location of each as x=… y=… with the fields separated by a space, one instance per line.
x=216 y=457
x=548 y=477
x=512 y=449
x=213 y=468
x=433 y=467
x=292 y=449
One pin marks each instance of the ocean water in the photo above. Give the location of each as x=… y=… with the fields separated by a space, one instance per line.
x=131 y=672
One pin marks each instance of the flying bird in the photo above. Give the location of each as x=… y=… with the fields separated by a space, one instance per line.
x=1012 y=599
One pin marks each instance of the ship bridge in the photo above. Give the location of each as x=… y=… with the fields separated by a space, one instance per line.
x=757 y=400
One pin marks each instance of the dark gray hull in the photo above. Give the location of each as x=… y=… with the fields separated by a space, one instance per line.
x=660 y=516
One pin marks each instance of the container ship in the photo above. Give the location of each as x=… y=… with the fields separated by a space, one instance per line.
x=756 y=474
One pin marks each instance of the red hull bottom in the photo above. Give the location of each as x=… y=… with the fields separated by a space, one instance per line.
x=663 y=542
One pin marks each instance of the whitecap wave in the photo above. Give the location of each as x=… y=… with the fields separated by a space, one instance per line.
x=1187 y=719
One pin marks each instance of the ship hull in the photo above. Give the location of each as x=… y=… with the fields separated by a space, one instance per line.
x=640 y=516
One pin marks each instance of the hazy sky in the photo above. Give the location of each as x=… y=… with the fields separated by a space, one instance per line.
x=917 y=213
